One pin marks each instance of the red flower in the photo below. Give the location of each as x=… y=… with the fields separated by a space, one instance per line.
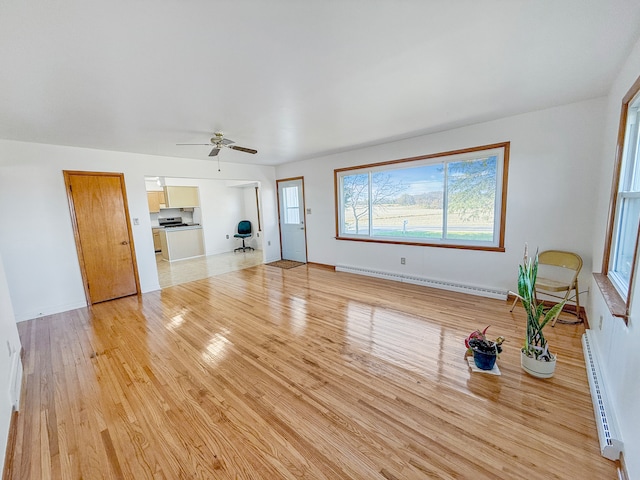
x=476 y=334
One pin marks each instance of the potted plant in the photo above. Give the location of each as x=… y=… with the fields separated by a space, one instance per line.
x=535 y=357
x=485 y=351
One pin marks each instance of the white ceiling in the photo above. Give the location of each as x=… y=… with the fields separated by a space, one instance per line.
x=294 y=79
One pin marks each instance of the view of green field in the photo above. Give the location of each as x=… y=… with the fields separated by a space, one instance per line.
x=417 y=221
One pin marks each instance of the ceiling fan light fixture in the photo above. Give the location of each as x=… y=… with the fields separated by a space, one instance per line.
x=218 y=141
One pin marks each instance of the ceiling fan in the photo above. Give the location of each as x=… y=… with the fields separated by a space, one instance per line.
x=219 y=142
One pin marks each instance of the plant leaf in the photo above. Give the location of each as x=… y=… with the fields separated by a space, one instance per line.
x=553 y=311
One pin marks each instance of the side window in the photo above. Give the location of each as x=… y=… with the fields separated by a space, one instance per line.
x=625 y=231
x=621 y=243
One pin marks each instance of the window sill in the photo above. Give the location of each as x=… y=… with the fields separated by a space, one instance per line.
x=424 y=244
x=617 y=306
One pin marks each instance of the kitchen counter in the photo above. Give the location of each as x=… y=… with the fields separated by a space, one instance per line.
x=187 y=227
x=179 y=243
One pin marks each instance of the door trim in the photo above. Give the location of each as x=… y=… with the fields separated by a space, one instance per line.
x=304 y=213
x=67 y=184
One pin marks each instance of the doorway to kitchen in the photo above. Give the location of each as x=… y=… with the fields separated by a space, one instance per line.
x=214 y=211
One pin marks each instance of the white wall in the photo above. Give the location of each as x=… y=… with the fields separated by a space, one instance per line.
x=552 y=176
x=9 y=346
x=222 y=207
x=41 y=263
x=617 y=345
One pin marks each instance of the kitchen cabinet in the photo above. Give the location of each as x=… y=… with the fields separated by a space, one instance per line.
x=157 y=245
x=156 y=201
x=178 y=197
x=180 y=243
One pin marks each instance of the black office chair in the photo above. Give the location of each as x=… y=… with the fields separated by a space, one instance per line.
x=244 y=232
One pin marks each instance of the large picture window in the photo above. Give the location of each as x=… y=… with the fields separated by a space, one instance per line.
x=451 y=199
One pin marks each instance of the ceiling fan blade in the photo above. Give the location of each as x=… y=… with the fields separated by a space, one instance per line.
x=242 y=149
x=207 y=144
x=214 y=152
x=226 y=141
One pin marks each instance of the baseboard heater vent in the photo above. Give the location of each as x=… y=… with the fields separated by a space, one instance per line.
x=608 y=434
x=15 y=381
x=416 y=280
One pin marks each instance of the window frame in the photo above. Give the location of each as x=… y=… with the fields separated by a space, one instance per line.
x=501 y=198
x=618 y=305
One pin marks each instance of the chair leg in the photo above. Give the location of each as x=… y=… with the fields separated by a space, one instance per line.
x=244 y=247
x=578 y=311
x=514 y=304
x=566 y=297
x=555 y=319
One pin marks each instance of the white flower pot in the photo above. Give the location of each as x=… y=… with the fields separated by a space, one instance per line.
x=537 y=368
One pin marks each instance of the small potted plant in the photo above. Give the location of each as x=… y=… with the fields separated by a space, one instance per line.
x=485 y=351
x=535 y=357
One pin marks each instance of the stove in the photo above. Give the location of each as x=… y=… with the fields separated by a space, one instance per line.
x=171 y=222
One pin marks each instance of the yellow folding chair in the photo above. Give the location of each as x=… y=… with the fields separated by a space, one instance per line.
x=558 y=272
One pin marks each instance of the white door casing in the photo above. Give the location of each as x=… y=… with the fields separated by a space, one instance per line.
x=292 y=219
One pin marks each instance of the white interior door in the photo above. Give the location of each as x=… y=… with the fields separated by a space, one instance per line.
x=292 y=227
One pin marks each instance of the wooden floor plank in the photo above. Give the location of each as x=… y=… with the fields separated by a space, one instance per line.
x=267 y=373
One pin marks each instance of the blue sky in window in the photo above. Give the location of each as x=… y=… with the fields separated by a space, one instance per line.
x=427 y=178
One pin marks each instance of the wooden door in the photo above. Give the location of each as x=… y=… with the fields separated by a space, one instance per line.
x=103 y=235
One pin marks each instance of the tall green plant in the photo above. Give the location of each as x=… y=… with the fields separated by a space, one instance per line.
x=535 y=345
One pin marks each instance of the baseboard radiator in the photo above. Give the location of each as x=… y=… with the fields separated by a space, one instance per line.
x=15 y=380
x=417 y=280
x=608 y=433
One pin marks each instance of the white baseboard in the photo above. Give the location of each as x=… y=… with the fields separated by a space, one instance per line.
x=272 y=259
x=48 y=310
x=428 y=282
x=150 y=288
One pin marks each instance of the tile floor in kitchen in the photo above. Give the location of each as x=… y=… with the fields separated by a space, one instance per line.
x=183 y=271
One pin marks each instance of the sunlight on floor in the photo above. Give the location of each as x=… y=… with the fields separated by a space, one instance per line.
x=183 y=271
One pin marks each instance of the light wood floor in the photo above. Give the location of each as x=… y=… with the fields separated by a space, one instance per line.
x=183 y=271
x=266 y=373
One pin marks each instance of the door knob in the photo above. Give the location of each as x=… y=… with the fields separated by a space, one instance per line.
x=124 y=242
